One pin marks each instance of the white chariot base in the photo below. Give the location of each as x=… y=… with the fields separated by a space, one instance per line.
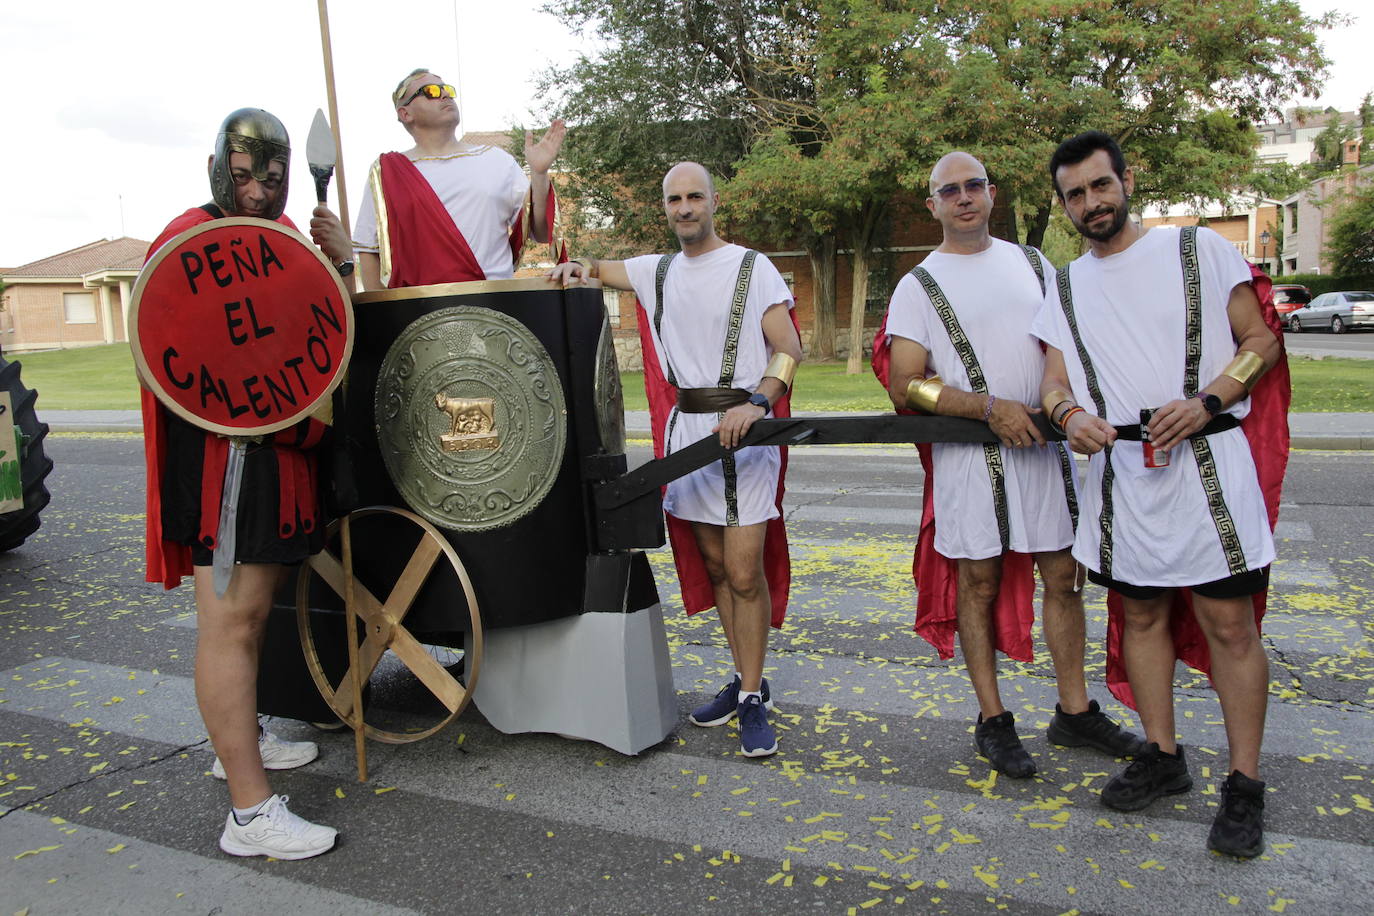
x=603 y=677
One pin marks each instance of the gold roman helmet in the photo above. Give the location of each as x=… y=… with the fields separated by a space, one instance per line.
x=259 y=134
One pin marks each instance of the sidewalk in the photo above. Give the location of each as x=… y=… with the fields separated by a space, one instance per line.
x=1308 y=430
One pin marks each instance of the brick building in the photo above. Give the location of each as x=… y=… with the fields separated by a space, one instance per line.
x=73 y=299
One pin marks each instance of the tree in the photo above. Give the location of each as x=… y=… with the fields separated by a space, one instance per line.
x=1350 y=239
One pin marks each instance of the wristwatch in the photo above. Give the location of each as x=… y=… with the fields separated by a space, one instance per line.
x=759 y=399
x=1210 y=402
x=344 y=269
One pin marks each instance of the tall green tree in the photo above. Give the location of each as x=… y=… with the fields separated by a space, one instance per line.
x=1350 y=235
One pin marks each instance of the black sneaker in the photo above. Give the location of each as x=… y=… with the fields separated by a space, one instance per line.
x=1153 y=774
x=997 y=741
x=1238 y=829
x=1093 y=729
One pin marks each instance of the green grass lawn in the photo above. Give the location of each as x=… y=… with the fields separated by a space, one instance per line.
x=102 y=378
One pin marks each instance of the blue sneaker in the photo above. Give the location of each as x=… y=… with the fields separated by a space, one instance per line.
x=756 y=738
x=725 y=705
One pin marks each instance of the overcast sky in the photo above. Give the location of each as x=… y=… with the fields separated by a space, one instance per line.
x=106 y=101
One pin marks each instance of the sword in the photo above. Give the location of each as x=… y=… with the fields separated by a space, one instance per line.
x=222 y=566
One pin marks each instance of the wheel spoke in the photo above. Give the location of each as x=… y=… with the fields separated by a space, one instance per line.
x=369 y=654
x=330 y=569
x=412 y=578
x=432 y=674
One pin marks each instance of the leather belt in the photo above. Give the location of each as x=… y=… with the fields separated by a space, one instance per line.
x=710 y=400
x=1218 y=424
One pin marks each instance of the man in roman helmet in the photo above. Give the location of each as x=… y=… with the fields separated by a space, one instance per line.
x=445 y=210
x=249 y=170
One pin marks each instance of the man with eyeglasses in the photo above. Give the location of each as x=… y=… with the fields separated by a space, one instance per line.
x=1158 y=349
x=958 y=344
x=720 y=352
x=249 y=172
x=445 y=211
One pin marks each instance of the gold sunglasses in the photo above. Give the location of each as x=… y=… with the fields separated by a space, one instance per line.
x=433 y=91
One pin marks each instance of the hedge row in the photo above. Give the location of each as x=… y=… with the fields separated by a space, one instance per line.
x=1327 y=283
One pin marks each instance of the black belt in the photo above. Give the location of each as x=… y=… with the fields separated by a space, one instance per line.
x=710 y=400
x=1218 y=424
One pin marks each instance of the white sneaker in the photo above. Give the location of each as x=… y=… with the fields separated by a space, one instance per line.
x=274 y=831
x=277 y=754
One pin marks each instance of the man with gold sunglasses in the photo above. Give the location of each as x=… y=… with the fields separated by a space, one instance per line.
x=446 y=211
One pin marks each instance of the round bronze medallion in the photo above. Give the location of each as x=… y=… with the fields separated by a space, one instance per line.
x=470 y=418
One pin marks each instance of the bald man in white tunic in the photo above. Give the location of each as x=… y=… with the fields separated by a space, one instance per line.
x=722 y=335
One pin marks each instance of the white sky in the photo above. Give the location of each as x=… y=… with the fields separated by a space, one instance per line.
x=106 y=100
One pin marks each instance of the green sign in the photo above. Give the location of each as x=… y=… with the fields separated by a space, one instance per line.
x=11 y=486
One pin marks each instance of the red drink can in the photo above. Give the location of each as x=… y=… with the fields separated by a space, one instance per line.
x=1154 y=458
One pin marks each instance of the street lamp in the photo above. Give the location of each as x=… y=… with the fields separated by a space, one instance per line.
x=1264 y=238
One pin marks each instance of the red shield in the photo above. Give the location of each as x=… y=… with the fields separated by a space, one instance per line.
x=240 y=326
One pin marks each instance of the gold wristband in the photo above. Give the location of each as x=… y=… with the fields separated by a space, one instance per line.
x=924 y=393
x=783 y=368
x=1054 y=398
x=1246 y=368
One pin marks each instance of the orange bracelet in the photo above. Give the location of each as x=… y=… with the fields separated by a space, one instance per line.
x=1064 y=420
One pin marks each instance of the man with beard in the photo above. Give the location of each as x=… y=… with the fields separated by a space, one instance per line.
x=1159 y=333
x=278 y=523
x=958 y=329
x=446 y=211
x=719 y=313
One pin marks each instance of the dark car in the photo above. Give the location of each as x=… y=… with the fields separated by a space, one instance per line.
x=1336 y=312
x=1290 y=296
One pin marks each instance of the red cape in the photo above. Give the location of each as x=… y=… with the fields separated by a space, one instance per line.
x=426 y=245
x=937 y=576
x=167 y=561
x=1266 y=428
x=697 y=594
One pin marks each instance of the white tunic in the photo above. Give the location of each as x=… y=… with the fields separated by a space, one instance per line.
x=994 y=294
x=1131 y=314
x=483 y=189
x=691 y=337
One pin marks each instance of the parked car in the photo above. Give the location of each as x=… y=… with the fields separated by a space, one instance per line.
x=1289 y=297
x=1336 y=312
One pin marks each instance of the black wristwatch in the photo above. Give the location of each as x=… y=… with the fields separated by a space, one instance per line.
x=344 y=269
x=759 y=399
x=1210 y=402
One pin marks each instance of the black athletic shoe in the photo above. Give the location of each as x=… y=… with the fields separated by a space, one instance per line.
x=1094 y=729
x=1238 y=829
x=1153 y=774
x=996 y=739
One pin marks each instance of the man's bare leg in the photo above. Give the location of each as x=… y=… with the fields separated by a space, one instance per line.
x=1062 y=618
x=229 y=638
x=979 y=581
x=734 y=563
x=1240 y=673
x=1147 y=647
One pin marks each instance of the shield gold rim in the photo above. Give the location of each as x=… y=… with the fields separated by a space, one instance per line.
x=382 y=623
x=149 y=380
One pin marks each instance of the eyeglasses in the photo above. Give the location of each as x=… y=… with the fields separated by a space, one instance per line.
x=973 y=187
x=433 y=91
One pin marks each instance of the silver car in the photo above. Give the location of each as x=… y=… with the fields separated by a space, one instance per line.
x=1336 y=312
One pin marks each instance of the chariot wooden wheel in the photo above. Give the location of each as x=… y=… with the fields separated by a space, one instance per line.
x=382 y=627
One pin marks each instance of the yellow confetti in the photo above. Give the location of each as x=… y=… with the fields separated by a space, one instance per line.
x=339 y=792
x=118 y=847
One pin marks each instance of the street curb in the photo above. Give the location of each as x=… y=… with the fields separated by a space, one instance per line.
x=1315 y=443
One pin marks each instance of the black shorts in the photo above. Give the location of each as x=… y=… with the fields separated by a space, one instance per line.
x=1241 y=585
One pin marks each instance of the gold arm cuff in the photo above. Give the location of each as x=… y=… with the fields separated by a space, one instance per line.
x=924 y=393
x=1246 y=368
x=783 y=368
x=1054 y=398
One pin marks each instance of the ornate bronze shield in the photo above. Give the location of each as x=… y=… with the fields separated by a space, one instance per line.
x=470 y=416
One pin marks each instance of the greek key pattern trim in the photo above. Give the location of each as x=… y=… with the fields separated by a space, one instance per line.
x=992 y=454
x=660 y=275
x=1033 y=256
x=737 y=303
x=1202 y=450
x=1070 y=494
x=727 y=466
x=1104 y=520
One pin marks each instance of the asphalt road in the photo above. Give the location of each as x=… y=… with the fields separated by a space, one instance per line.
x=877 y=800
x=1355 y=344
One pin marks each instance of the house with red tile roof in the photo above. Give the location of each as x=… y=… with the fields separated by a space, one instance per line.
x=77 y=298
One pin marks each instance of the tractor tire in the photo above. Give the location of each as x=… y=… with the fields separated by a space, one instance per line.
x=35 y=465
